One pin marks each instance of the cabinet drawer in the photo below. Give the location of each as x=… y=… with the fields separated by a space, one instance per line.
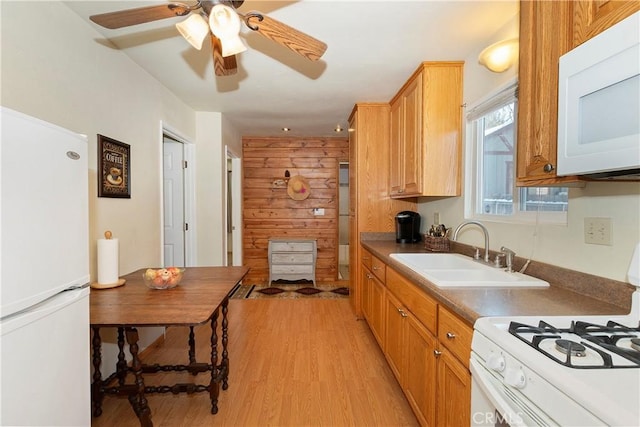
x=423 y=307
x=378 y=268
x=455 y=335
x=292 y=246
x=292 y=258
x=291 y=269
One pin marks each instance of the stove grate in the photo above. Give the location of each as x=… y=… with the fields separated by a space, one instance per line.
x=602 y=339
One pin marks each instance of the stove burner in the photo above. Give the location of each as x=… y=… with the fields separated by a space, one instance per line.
x=635 y=343
x=566 y=347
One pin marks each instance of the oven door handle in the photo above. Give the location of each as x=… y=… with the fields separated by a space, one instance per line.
x=483 y=379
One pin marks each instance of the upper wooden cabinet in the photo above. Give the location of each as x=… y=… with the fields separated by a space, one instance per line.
x=426 y=128
x=548 y=30
x=544 y=36
x=591 y=17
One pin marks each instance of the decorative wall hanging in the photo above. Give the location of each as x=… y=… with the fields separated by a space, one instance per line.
x=114 y=175
x=298 y=188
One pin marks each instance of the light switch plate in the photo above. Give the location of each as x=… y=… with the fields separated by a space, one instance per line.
x=597 y=231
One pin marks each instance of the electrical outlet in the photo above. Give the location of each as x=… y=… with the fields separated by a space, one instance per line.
x=597 y=231
x=318 y=211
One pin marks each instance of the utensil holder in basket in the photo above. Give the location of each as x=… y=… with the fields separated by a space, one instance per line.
x=437 y=244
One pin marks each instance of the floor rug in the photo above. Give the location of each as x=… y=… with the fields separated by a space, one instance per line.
x=289 y=291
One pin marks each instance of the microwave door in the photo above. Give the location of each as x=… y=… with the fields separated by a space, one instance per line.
x=599 y=106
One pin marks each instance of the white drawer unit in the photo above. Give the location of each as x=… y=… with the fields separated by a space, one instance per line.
x=292 y=259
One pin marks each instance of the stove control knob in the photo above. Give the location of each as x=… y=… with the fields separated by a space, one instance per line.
x=496 y=362
x=515 y=377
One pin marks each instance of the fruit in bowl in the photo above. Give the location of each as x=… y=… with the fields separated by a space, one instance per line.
x=163 y=278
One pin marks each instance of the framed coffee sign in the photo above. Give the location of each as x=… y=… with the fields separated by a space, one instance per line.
x=114 y=174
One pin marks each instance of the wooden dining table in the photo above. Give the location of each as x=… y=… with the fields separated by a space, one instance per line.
x=202 y=295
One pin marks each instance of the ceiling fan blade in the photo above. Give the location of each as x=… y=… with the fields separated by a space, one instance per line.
x=299 y=42
x=140 y=15
x=223 y=66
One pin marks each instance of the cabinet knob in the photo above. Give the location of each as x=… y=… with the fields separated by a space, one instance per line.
x=375 y=267
x=450 y=335
x=548 y=168
x=369 y=276
x=437 y=353
x=402 y=313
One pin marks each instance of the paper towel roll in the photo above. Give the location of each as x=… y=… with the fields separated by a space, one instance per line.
x=107 y=261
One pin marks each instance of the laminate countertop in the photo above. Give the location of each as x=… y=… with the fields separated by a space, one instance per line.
x=569 y=293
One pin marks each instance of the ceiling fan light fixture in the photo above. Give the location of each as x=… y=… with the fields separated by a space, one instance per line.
x=194 y=29
x=225 y=25
x=499 y=56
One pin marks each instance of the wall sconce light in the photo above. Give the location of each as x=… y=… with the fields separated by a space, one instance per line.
x=500 y=56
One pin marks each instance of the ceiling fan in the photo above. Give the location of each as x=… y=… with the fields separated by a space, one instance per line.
x=220 y=20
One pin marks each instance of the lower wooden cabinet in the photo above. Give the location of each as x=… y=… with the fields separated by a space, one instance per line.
x=453 y=391
x=433 y=374
x=421 y=364
x=373 y=300
x=377 y=300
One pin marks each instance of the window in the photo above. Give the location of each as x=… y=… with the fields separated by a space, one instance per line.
x=491 y=168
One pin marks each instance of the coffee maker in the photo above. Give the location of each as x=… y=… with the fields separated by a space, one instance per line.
x=407 y=227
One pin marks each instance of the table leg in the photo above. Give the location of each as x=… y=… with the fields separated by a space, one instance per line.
x=214 y=385
x=192 y=347
x=225 y=340
x=96 y=386
x=121 y=365
x=137 y=400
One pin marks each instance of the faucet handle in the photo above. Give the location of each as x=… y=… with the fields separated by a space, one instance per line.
x=476 y=253
x=509 y=254
x=506 y=250
x=497 y=262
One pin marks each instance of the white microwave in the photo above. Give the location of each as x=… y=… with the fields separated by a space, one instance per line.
x=599 y=105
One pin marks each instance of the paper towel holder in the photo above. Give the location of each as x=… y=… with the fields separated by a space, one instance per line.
x=96 y=285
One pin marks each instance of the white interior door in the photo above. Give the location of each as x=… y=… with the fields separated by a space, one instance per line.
x=173 y=190
x=233 y=219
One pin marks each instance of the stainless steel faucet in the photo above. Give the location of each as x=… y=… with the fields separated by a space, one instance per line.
x=486 y=236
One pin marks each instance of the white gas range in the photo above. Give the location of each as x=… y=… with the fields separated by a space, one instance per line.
x=558 y=370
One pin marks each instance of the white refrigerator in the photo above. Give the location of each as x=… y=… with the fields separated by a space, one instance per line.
x=44 y=274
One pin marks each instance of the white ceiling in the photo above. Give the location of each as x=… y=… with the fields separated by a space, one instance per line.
x=373 y=47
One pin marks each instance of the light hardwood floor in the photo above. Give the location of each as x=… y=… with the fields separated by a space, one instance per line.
x=293 y=362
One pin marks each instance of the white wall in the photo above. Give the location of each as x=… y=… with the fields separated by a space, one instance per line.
x=557 y=245
x=54 y=69
x=209 y=181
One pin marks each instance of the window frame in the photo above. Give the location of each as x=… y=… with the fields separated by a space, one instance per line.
x=473 y=167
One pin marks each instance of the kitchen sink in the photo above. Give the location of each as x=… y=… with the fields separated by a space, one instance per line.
x=459 y=271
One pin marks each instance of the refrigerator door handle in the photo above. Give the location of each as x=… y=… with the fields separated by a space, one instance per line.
x=42 y=309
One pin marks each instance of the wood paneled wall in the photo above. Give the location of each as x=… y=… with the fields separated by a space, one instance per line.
x=268 y=211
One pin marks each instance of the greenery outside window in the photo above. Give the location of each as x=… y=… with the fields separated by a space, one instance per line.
x=491 y=160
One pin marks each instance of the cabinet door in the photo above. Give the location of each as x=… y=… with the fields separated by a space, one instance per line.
x=454 y=391
x=394 y=338
x=377 y=310
x=545 y=35
x=591 y=17
x=421 y=376
x=365 y=292
x=396 y=169
x=412 y=153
